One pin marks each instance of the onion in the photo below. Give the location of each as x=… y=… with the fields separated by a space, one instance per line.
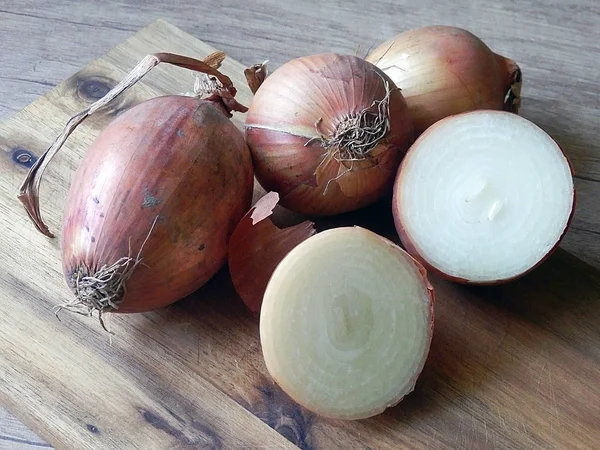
x=155 y=199
x=257 y=246
x=327 y=133
x=483 y=197
x=445 y=70
x=346 y=323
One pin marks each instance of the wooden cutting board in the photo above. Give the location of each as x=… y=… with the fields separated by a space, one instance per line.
x=516 y=366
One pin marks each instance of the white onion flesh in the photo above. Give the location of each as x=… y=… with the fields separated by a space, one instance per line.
x=346 y=323
x=483 y=196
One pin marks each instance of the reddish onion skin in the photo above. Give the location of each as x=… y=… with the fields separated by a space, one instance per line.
x=175 y=157
x=281 y=120
x=444 y=70
x=412 y=250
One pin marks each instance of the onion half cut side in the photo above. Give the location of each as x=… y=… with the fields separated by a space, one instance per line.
x=483 y=197
x=346 y=323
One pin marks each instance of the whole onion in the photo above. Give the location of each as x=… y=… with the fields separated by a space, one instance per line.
x=327 y=132
x=154 y=202
x=445 y=70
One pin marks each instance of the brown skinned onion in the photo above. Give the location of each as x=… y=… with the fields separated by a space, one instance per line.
x=327 y=133
x=154 y=202
x=444 y=70
x=178 y=159
x=257 y=245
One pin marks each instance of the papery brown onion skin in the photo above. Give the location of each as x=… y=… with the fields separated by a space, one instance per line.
x=175 y=157
x=281 y=121
x=444 y=70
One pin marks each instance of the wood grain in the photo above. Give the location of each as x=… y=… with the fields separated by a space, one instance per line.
x=515 y=366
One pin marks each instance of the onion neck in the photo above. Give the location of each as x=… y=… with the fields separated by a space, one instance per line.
x=255 y=76
x=513 y=82
x=226 y=103
x=212 y=89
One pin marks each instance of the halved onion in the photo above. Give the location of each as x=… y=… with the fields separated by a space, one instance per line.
x=346 y=323
x=483 y=197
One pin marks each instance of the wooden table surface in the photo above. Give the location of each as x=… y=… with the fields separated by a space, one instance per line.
x=556 y=43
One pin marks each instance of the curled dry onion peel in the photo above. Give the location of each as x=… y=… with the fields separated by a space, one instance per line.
x=483 y=197
x=346 y=323
x=154 y=201
x=257 y=246
x=445 y=70
x=327 y=133
x=255 y=75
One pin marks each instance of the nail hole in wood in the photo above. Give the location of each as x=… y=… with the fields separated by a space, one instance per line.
x=94 y=88
x=23 y=157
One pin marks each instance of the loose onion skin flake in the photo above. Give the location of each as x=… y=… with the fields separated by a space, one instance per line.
x=154 y=202
x=326 y=132
x=445 y=70
x=483 y=197
x=346 y=323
